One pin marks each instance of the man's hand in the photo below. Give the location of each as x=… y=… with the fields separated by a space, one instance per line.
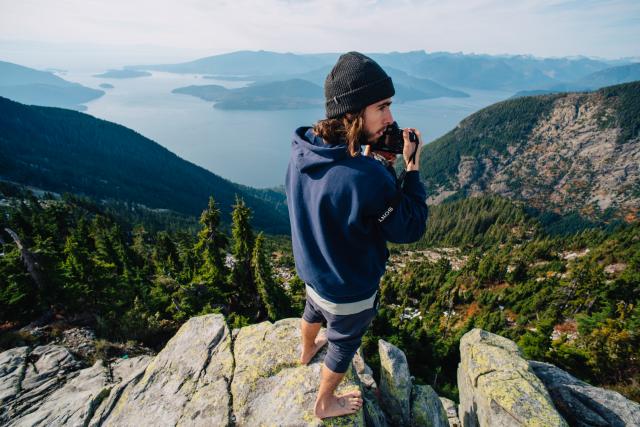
x=409 y=147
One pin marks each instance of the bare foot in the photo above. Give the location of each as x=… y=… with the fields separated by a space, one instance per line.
x=308 y=353
x=335 y=406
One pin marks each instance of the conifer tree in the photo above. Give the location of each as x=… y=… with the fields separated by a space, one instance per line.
x=244 y=293
x=115 y=259
x=77 y=267
x=165 y=255
x=273 y=297
x=211 y=246
x=141 y=256
x=19 y=297
x=207 y=288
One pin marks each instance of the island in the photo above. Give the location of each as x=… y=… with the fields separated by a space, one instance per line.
x=122 y=74
x=281 y=95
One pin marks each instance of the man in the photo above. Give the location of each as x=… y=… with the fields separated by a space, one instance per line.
x=344 y=206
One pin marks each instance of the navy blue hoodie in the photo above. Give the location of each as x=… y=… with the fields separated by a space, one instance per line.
x=336 y=207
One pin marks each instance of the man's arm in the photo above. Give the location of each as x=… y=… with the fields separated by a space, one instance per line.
x=404 y=219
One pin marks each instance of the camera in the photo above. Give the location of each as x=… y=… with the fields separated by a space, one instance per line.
x=392 y=141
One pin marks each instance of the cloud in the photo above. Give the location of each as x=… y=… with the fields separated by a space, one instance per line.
x=539 y=27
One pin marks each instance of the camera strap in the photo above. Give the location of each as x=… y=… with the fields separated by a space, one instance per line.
x=412 y=159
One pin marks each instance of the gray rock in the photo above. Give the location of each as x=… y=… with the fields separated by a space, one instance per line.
x=185 y=384
x=373 y=413
x=73 y=404
x=498 y=388
x=584 y=405
x=188 y=383
x=270 y=387
x=365 y=374
x=193 y=382
x=451 y=409
x=45 y=369
x=124 y=369
x=426 y=408
x=395 y=383
x=12 y=367
x=125 y=374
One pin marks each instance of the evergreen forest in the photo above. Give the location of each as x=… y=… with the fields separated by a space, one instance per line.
x=565 y=289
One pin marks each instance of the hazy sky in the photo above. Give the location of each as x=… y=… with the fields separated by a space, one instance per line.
x=116 y=32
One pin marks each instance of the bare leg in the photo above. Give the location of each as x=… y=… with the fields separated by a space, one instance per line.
x=330 y=405
x=311 y=341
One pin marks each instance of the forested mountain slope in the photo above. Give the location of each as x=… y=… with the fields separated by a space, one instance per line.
x=66 y=151
x=564 y=152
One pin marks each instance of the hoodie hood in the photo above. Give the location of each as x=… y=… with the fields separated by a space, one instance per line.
x=310 y=151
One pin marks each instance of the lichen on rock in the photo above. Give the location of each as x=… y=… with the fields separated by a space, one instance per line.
x=191 y=371
x=426 y=408
x=395 y=383
x=271 y=387
x=497 y=387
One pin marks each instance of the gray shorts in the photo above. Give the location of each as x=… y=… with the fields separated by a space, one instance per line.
x=344 y=332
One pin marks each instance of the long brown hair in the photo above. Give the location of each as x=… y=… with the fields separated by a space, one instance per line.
x=348 y=128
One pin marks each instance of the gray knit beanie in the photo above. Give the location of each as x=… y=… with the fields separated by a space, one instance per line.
x=355 y=82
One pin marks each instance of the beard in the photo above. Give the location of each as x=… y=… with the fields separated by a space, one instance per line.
x=373 y=136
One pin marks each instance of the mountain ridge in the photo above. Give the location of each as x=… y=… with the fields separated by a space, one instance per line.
x=606 y=77
x=457 y=70
x=74 y=152
x=30 y=86
x=563 y=152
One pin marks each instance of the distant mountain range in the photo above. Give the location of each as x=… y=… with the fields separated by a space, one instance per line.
x=607 y=77
x=457 y=70
x=563 y=152
x=302 y=93
x=31 y=86
x=65 y=151
x=247 y=63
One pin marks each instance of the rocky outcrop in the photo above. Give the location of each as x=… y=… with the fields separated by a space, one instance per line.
x=270 y=387
x=186 y=383
x=28 y=376
x=201 y=377
x=426 y=408
x=373 y=414
x=498 y=388
x=207 y=375
x=583 y=405
x=451 y=409
x=404 y=402
x=571 y=160
x=395 y=382
x=124 y=374
x=47 y=387
x=71 y=404
x=581 y=152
